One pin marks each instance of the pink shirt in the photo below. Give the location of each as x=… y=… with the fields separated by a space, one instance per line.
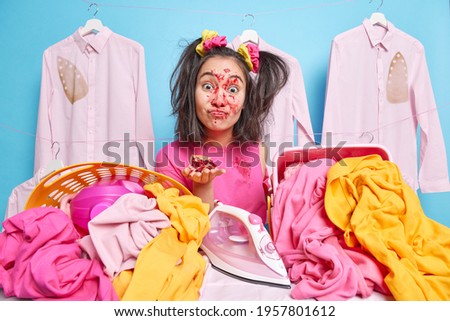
x=94 y=101
x=289 y=106
x=240 y=186
x=379 y=91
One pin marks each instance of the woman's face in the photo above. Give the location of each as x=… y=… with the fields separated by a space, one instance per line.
x=219 y=96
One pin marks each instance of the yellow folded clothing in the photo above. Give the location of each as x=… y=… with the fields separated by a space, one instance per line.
x=169 y=267
x=367 y=198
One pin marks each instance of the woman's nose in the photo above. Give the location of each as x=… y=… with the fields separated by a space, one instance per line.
x=219 y=99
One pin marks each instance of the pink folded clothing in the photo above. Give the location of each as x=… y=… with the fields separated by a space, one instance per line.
x=118 y=234
x=308 y=242
x=40 y=259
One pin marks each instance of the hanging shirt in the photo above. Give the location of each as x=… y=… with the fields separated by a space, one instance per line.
x=94 y=101
x=379 y=91
x=19 y=195
x=289 y=105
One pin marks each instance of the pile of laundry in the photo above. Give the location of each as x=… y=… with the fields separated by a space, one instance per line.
x=349 y=228
x=143 y=247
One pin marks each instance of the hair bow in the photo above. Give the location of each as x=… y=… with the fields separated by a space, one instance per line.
x=210 y=39
x=250 y=52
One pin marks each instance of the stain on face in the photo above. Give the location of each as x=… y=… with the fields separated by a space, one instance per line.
x=220 y=94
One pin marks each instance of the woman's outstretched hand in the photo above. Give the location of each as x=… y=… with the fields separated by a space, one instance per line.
x=203 y=177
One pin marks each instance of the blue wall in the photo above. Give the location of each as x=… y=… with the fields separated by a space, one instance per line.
x=303 y=28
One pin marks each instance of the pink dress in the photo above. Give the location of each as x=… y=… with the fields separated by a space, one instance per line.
x=240 y=186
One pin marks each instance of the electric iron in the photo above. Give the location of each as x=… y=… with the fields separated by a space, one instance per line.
x=239 y=245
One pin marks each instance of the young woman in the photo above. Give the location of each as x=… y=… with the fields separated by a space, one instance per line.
x=221 y=98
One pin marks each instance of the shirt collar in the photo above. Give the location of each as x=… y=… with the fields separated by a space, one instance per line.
x=97 y=42
x=374 y=38
x=237 y=41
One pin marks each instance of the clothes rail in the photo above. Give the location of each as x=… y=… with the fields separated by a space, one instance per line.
x=328 y=4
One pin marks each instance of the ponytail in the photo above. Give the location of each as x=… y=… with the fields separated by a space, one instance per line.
x=182 y=87
x=272 y=76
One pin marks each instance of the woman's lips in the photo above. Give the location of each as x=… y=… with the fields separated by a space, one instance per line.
x=218 y=114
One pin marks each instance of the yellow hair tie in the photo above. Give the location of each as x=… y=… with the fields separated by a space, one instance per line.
x=210 y=39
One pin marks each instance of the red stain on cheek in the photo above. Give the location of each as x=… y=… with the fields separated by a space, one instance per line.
x=226 y=70
x=233 y=102
x=231 y=99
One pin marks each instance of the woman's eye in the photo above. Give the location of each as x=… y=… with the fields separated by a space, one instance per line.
x=233 y=89
x=208 y=87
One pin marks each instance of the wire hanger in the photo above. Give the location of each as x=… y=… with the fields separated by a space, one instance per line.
x=377 y=18
x=55 y=163
x=249 y=35
x=93 y=25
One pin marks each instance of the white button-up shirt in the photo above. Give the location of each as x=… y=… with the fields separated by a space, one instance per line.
x=20 y=194
x=379 y=91
x=94 y=103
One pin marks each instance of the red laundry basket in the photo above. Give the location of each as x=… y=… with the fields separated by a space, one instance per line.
x=297 y=155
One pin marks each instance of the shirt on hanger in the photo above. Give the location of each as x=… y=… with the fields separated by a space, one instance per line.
x=289 y=105
x=379 y=91
x=94 y=101
x=20 y=194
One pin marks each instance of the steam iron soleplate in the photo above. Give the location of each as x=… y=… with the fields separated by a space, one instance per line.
x=239 y=245
x=255 y=281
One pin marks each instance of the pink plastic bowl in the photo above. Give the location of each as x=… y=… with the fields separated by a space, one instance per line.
x=94 y=199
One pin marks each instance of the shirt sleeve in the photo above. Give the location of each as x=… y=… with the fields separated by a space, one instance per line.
x=13 y=205
x=433 y=170
x=43 y=144
x=300 y=108
x=331 y=114
x=144 y=126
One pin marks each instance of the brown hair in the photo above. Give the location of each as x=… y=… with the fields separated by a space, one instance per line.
x=261 y=89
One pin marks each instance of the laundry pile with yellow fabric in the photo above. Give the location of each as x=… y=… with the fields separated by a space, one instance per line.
x=367 y=198
x=343 y=229
x=140 y=248
x=351 y=227
x=170 y=267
